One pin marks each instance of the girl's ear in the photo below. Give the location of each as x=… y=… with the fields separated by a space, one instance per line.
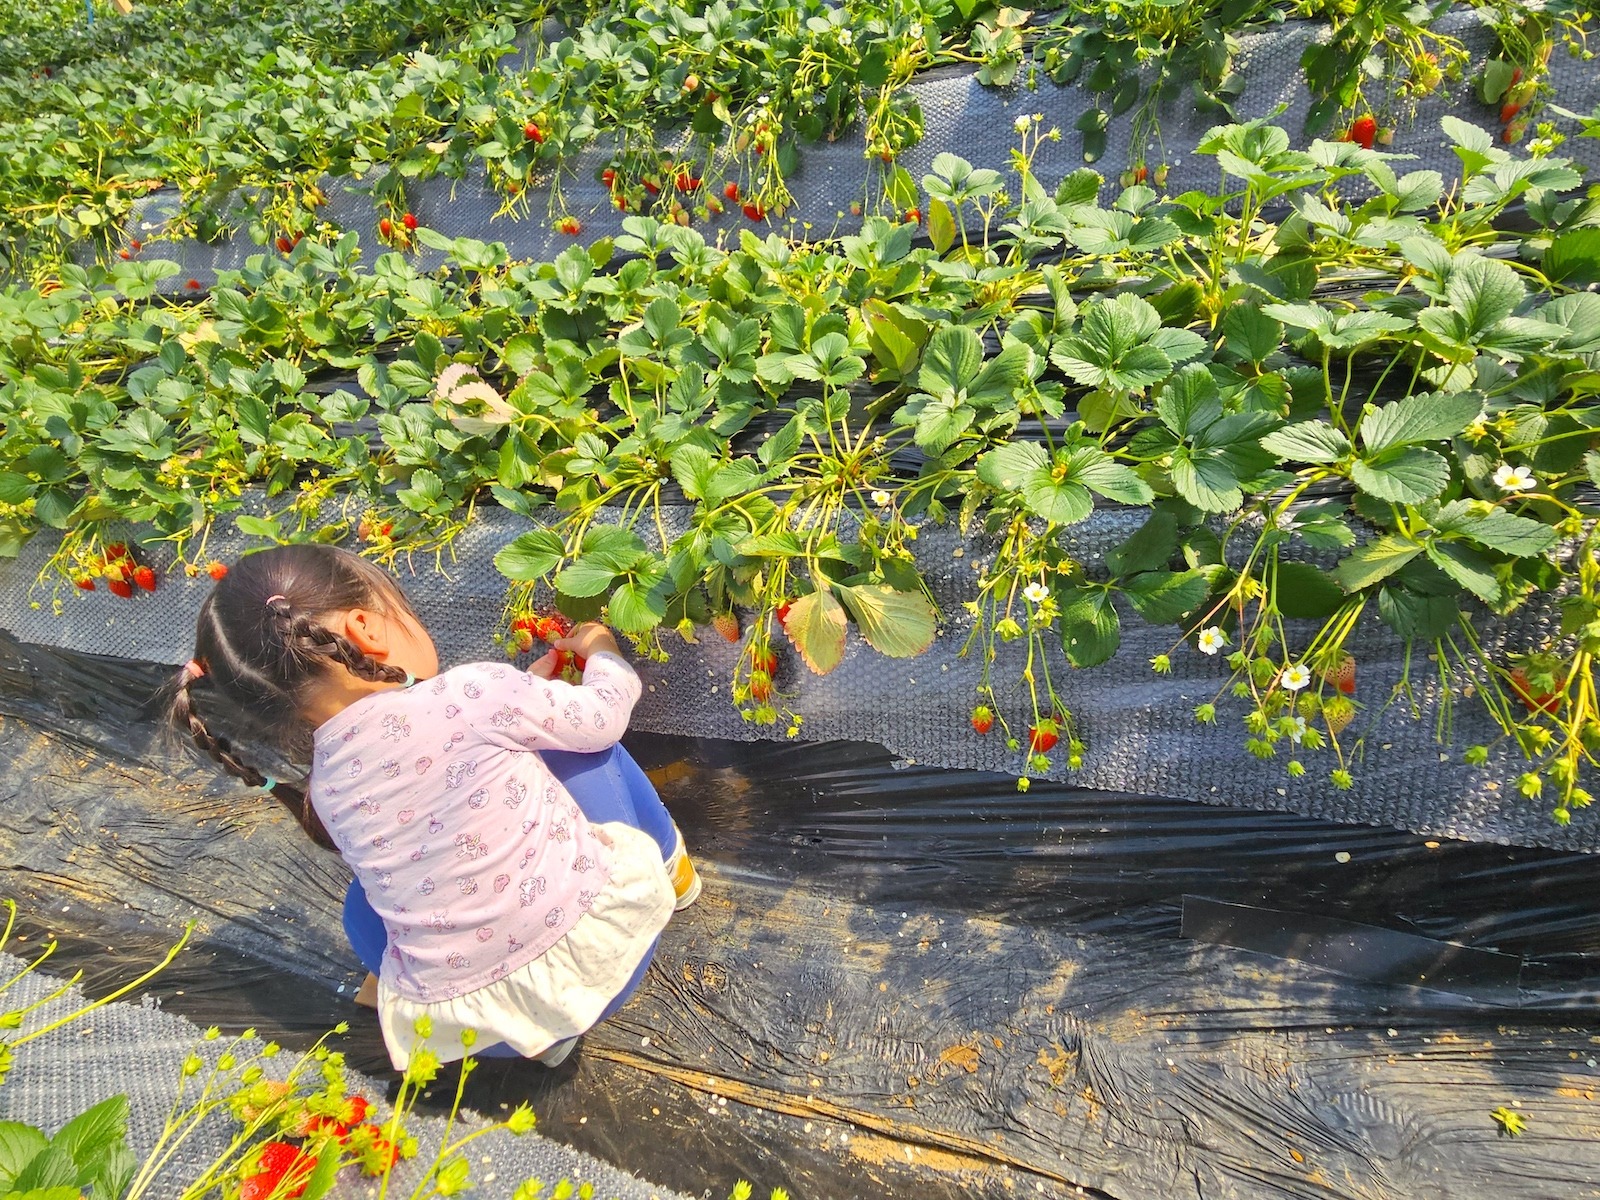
x=367 y=629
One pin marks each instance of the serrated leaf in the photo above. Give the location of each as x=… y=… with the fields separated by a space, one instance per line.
x=1468 y=568
x=1009 y=467
x=1149 y=548
x=1091 y=631
x=19 y=1144
x=1308 y=442
x=1426 y=417
x=816 y=625
x=640 y=604
x=585 y=576
x=530 y=556
x=1403 y=474
x=1377 y=559
x=1162 y=597
x=896 y=624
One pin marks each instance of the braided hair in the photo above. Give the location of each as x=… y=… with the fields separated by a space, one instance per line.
x=260 y=645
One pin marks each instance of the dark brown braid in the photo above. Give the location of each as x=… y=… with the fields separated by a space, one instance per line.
x=260 y=645
x=222 y=751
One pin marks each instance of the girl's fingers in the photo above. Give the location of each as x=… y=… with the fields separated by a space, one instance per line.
x=544 y=668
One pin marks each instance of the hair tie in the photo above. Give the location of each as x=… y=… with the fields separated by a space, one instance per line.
x=275 y=596
x=268 y=784
x=410 y=679
x=193 y=670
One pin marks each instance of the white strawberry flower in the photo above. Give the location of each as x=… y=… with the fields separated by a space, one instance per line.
x=844 y=37
x=1295 y=677
x=881 y=498
x=1212 y=639
x=1036 y=593
x=1513 y=479
x=1299 y=730
x=1021 y=123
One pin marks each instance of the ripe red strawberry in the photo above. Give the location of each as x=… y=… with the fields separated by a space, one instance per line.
x=124 y=255
x=767 y=662
x=1533 y=697
x=116 y=550
x=216 y=569
x=409 y=221
x=285 y=245
x=686 y=182
x=622 y=204
x=1141 y=173
x=1043 y=736
x=755 y=212
x=1363 y=130
x=530 y=624
x=278 y=1158
x=532 y=132
x=120 y=587
x=145 y=578
x=982 y=718
x=385 y=227
x=136 y=245
x=84 y=584
x=356 y=1109
x=608 y=177
x=760 y=686
x=727 y=624
x=1516 y=77
x=570 y=226
x=731 y=191
x=1509 y=110
x=782 y=613
x=193 y=285
x=913 y=216
x=651 y=186
x=1342 y=675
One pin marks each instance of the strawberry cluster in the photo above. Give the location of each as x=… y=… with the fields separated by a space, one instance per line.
x=546 y=627
x=1513 y=100
x=283 y=1169
x=120 y=570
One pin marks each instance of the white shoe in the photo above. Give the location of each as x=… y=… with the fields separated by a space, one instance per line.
x=558 y=1053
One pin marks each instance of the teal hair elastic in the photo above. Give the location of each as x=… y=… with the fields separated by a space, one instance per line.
x=268 y=785
x=410 y=679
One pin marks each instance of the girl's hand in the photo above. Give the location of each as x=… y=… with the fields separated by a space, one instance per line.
x=544 y=668
x=587 y=640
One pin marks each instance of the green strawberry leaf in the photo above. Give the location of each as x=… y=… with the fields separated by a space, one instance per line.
x=1377 y=559
x=1090 y=628
x=894 y=623
x=530 y=556
x=816 y=625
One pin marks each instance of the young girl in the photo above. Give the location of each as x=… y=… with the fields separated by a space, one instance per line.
x=510 y=878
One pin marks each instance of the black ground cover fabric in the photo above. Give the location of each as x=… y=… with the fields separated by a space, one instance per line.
x=909 y=981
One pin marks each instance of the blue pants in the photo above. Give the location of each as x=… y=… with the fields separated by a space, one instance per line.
x=608 y=786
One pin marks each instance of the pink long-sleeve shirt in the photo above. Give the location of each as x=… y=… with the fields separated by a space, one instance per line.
x=470 y=850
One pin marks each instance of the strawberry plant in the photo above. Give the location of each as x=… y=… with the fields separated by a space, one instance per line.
x=747 y=438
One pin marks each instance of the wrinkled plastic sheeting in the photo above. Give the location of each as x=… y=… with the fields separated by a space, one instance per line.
x=960 y=115
x=1141 y=733
x=910 y=981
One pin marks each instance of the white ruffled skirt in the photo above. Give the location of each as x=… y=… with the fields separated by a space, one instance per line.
x=562 y=993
